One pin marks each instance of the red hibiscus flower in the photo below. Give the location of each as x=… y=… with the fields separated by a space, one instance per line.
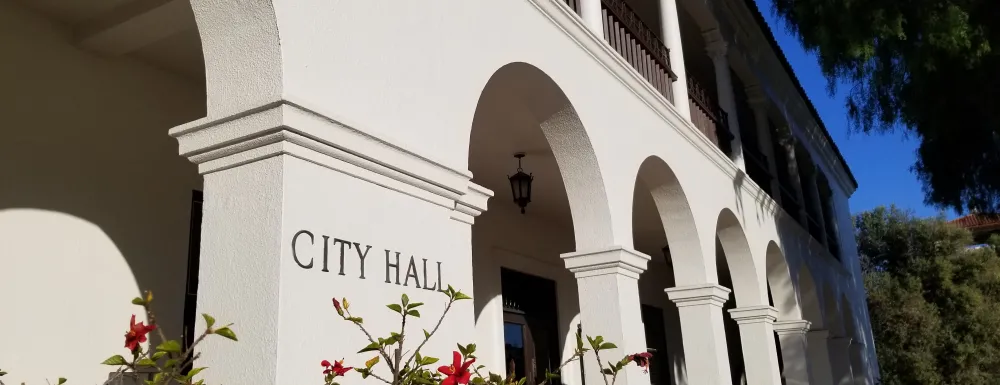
x=642 y=360
x=136 y=334
x=337 y=368
x=458 y=372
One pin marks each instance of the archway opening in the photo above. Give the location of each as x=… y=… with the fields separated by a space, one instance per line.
x=663 y=227
x=736 y=271
x=526 y=301
x=92 y=163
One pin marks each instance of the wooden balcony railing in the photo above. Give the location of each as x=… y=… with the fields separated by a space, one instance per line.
x=709 y=117
x=628 y=35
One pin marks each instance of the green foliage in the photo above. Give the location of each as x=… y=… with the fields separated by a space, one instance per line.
x=931 y=67
x=934 y=305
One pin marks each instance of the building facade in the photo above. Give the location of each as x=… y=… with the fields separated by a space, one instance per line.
x=252 y=159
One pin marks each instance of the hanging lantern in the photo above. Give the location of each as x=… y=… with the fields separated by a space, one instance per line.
x=520 y=184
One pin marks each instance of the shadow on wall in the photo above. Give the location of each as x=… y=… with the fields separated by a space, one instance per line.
x=94 y=200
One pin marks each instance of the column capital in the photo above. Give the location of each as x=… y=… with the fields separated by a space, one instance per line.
x=715 y=45
x=612 y=260
x=696 y=295
x=754 y=314
x=792 y=327
x=819 y=333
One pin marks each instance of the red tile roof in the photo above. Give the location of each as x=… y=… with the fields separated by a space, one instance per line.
x=977 y=221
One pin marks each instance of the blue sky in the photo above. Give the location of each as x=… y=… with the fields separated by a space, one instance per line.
x=881 y=163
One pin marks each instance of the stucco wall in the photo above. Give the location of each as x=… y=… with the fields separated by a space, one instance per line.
x=94 y=201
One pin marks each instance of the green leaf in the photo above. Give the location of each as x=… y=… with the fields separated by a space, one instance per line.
x=2 y=373
x=395 y=307
x=463 y=350
x=607 y=372
x=371 y=347
x=413 y=313
x=209 y=320
x=146 y=362
x=471 y=348
x=426 y=334
x=115 y=360
x=415 y=305
x=428 y=360
x=478 y=381
x=406 y=300
x=227 y=332
x=495 y=378
x=460 y=296
x=62 y=380
x=356 y=320
x=158 y=355
x=607 y=345
x=194 y=372
x=158 y=378
x=171 y=346
x=138 y=301
x=171 y=363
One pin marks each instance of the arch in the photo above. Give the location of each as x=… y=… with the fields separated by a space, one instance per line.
x=242 y=54
x=688 y=259
x=809 y=298
x=747 y=286
x=524 y=85
x=779 y=280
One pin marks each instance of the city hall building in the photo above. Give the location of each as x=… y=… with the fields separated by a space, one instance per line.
x=650 y=171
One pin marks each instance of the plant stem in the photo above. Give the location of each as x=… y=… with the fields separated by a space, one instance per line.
x=600 y=366
x=381 y=350
x=431 y=334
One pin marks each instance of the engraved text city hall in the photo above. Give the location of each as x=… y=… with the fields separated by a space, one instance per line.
x=337 y=255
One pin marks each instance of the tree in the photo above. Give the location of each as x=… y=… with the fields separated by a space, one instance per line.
x=934 y=304
x=929 y=67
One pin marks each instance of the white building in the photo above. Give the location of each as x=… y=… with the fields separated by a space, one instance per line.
x=331 y=137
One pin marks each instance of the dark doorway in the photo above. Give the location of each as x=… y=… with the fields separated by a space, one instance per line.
x=193 y=260
x=531 y=328
x=656 y=341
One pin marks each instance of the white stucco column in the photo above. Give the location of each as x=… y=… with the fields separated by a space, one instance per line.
x=859 y=364
x=794 y=350
x=758 y=101
x=291 y=222
x=704 y=335
x=590 y=12
x=718 y=50
x=757 y=337
x=608 y=284
x=819 y=357
x=840 y=360
x=671 y=31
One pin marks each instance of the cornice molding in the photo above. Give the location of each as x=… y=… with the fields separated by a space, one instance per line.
x=285 y=127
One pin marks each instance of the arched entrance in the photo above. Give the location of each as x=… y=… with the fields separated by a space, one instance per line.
x=526 y=300
x=664 y=228
x=97 y=205
x=737 y=272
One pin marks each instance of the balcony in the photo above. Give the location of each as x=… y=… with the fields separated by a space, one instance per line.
x=637 y=43
x=710 y=119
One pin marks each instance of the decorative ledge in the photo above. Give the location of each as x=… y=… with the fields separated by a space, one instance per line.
x=284 y=127
x=614 y=260
x=792 y=327
x=699 y=295
x=754 y=314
